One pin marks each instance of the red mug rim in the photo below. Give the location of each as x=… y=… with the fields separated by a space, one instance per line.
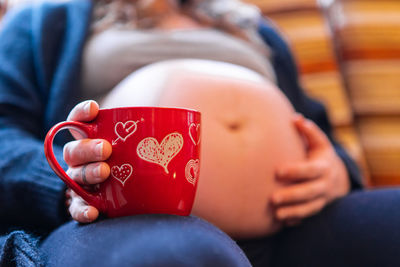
x=153 y=108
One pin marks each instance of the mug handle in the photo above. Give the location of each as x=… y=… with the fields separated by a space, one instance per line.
x=84 y=129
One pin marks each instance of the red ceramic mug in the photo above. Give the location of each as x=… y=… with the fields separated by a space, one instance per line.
x=154 y=161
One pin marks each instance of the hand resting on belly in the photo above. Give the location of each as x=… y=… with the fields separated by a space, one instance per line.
x=247 y=131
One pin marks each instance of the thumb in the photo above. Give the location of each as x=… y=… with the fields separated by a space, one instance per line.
x=313 y=135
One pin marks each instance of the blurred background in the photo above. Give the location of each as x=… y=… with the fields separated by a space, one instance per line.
x=348 y=56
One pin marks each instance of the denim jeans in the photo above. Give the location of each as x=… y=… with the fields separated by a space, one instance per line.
x=361 y=229
x=145 y=240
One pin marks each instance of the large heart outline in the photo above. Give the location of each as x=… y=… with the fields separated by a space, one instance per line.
x=161 y=154
x=124 y=130
x=194 y=133
x=122 y=173
x=195 y=166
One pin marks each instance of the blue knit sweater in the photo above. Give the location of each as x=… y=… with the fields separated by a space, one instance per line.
x=40 y=56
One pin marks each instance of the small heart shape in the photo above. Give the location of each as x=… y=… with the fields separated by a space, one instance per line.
x=150 y=150
x=192 y=171
x=194 y=133
x=122 y=173
x=124 y=130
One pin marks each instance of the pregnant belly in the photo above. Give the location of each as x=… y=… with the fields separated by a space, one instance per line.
x=246 y=133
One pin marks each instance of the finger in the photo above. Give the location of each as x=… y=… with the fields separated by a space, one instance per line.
x=92 y=173
x=84 y=112
x=83 y=151
x=298 y=193
x=300 y=211
x=314 y=136
x=300 y=171
x=81 y=211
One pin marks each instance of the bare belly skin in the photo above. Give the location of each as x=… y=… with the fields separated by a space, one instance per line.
x=247 y=132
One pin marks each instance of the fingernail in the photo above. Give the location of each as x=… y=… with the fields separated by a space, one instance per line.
x=86 y=108
x=97 y=171
x=99 y=149
x=86 y=213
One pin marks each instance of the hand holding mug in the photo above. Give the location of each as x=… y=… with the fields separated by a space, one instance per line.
x=153 y=167
x=85 y=158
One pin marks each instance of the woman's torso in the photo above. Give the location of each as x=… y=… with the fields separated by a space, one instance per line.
x=247 y=132
x=246 y=125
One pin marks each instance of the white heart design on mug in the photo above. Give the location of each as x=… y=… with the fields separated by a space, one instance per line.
x=194 y=133
x=122 y=173
x=124 y=130
x=150 y=150
x=192 y=165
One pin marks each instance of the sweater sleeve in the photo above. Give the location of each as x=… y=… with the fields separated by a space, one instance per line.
x=30 y=193
x=19 y=249
x=287 y=76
